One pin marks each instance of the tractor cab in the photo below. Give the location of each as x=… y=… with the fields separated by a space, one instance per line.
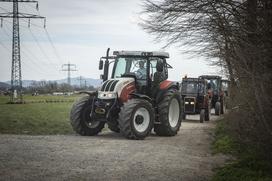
x=192 y=86
x=195 y=98
x=135 y=99
x=216 y=93
x=144 y=70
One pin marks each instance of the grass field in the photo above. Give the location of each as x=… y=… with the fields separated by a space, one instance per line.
x=44 y=114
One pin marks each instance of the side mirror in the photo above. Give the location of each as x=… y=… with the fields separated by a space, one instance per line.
x=101 y=63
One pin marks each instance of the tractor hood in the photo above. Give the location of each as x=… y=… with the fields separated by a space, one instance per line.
x=113 y=87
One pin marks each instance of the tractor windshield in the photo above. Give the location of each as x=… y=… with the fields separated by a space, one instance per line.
x=213 y=84
x=190 y=88
x=128 y=65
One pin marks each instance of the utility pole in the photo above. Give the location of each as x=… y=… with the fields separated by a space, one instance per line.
x=69 y=68
x=16 y=73
x=80 y=81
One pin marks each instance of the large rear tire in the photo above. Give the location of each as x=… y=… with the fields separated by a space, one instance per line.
x=136 y=119
x=202 y=115
x=169 y=110
x=81 y=120
x=208 y=113
x=223 y=107
x=183 y=116
x=217 y=108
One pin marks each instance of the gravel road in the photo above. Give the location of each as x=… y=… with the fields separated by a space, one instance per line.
x=109 y=156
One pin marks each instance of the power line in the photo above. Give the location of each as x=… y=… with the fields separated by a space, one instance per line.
x=52 y=44
x=55 y=51
x=5 y=47
x=28 y=52
x=47 y=36
x=38 y=44
x=16 y=69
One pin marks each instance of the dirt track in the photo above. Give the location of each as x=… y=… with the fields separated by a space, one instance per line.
x=109 y=156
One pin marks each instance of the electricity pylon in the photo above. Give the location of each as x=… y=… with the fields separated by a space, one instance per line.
x=16 y=73
x=69 y=67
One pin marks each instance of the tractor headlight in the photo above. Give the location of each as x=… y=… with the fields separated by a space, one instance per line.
x=193 y=103
x=186 y=102
x=107 y=95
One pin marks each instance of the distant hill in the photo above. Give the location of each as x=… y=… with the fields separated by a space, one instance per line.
x=74 y=81
x=4 y=86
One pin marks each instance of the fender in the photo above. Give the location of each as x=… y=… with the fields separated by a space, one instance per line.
x=127 y=90
x=141 y=96
x=160 y=94
x=167 y=84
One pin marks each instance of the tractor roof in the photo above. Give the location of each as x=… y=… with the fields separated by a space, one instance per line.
x=141 y=54
x=189 y=79
x=210 y=77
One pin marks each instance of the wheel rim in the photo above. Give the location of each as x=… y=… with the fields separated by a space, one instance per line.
x=174 y=112
x=142 y=125
x=90 y=123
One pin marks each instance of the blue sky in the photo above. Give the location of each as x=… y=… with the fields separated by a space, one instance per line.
x=81 y=32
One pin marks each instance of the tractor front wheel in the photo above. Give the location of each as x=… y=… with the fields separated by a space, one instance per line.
x=80 y=117
x=136 y=119
x=169 y=110
x=202 y=115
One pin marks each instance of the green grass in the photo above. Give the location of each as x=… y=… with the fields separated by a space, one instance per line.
x=223 y=143
x=247 y=165
x=36 y=116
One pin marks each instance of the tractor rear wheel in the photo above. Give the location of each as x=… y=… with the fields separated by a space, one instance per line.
x=81 y=120
x=207 y=113
x=136 y=119
x=223 y=107
x=183 y=116
x=202 y=115
x=169 y=110
x=217 y=108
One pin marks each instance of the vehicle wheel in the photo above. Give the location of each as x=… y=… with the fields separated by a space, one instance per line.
x=207 y=114
x=136 y=119
x=81 y=120
x=223 y=107
x=217 y=108
x=202 y=115
x=169 y=115
x=184 y=116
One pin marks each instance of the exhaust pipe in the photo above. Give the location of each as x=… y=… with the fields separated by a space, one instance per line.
x=106 y=67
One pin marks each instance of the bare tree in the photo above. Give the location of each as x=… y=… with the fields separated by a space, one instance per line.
x=239 y=35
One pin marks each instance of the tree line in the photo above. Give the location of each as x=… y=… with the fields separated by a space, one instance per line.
x=49 y=87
